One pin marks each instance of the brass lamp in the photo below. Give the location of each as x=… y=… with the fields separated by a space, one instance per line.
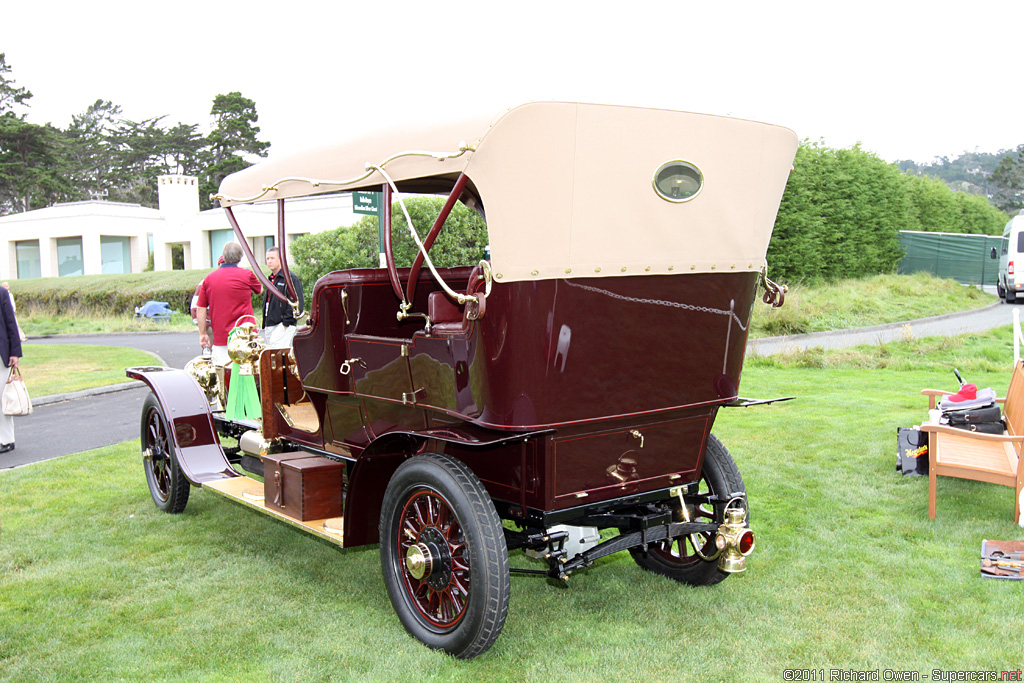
x=735 y=541
x=204 y=372
x=245 y=346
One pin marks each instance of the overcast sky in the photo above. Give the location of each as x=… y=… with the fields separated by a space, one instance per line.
x=907 y=79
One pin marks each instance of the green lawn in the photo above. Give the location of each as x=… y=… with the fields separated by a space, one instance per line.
x=61 y=368
x=824 y=306
x=38 y=324
x=849 y=572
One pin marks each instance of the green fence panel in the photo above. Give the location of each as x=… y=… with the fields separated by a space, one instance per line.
x=964 y=258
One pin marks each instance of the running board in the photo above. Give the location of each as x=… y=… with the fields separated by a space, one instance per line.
x=249 y=492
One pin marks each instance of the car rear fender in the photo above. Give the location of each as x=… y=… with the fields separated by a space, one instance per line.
x=371 y=473
x=368 y=478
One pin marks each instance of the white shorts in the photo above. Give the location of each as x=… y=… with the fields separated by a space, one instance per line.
x=279 y=336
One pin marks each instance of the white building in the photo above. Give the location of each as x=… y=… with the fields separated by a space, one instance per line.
x=91 y=237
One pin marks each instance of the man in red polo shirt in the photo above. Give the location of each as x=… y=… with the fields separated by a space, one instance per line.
x=227 y=292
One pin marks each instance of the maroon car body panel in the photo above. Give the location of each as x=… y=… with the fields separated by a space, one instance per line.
x=556 y=355
x=557 y=360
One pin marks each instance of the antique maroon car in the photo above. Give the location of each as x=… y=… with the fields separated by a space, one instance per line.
x=557 y=397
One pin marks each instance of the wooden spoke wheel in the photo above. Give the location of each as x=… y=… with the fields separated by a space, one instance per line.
x=444 y=556
x=167 y=484
x=680 y=558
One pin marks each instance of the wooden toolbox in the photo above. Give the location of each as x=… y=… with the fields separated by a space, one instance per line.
x=302 y=486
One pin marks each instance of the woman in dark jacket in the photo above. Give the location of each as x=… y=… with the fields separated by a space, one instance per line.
x=10 y=352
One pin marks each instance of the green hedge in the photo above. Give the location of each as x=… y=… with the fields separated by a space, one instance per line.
x=462 y=242
x=106 y=294
x=843 y=210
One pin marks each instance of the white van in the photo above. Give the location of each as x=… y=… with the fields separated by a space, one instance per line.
x=1011 y=258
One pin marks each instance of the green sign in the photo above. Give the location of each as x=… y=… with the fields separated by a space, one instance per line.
x=367 y=203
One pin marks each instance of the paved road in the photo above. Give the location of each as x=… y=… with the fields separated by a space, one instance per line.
x=78 y=422
x=952 y=324
x=82 y=424
x=87 y=420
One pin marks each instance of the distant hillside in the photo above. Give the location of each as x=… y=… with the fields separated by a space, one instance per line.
x=968 y=172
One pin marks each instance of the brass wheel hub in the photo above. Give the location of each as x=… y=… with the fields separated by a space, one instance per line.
x=429 y=559
x=418 y=561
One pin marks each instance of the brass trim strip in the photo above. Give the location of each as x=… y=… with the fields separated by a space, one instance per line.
x=370 y=169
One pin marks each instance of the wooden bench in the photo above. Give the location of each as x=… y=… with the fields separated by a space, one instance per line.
x=991 y=458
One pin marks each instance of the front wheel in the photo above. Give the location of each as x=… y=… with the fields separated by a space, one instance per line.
x=167 y=483
x=679 y=558
x=443 y=553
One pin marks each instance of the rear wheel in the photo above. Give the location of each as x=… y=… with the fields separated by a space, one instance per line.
x=167 y=484
x=678 y=558
x=444 y=556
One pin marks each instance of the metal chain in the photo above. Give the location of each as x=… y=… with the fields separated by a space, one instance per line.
x=659 y=302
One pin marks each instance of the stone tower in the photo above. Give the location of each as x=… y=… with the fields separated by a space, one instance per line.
x=178 y=197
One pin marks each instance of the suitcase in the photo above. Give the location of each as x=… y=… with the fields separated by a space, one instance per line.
x=987 y=420
x=303 y=486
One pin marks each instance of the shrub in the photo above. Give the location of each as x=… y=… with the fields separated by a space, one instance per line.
x=106 y=294
x=843 y=209
x=463 y=241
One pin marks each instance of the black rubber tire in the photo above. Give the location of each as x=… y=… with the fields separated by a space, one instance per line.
x=1011 y=296
x=676 y=558
x=1000 y=292
x=167 y=483
x=477 y=546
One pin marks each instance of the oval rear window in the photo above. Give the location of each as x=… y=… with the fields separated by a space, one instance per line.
x=678 y=181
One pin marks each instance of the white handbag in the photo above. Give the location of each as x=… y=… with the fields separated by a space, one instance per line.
x=15 y=398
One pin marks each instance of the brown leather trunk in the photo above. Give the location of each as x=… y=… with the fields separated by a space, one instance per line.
x=303 y=486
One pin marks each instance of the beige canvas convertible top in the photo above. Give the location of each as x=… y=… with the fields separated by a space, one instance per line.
x=568 y=187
